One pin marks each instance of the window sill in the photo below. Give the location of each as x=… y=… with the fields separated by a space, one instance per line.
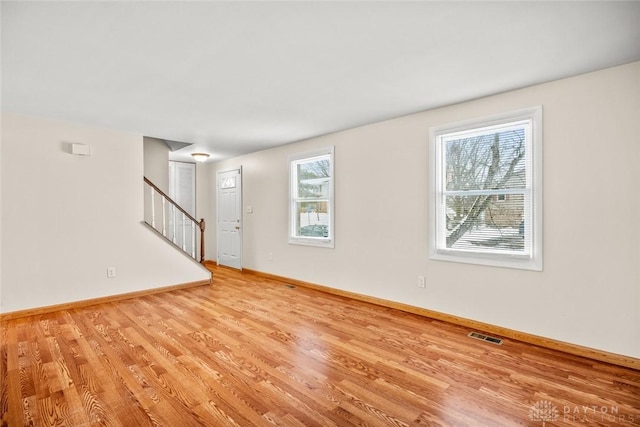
x=521 y=262
x=322 y=243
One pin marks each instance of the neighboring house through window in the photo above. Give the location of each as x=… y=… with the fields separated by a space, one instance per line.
x=486 y=191
x=311 y=198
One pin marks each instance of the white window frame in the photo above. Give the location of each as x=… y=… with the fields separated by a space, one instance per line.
x=531 y=260
x=320 y=241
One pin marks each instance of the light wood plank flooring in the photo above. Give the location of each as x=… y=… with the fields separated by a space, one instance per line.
x=248 y=351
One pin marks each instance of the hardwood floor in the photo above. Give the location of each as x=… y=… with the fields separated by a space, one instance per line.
x=247 y=351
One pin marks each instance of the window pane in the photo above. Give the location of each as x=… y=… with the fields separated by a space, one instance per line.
x=314 y=178
x=311 y=198
x=486 y=223
x=312 y=219
x=485 y=161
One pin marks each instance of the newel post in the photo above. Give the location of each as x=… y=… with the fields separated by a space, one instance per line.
x=202 y=227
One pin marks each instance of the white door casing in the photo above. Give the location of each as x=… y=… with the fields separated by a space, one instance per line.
x=229 y=218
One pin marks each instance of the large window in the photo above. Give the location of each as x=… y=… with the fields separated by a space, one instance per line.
x=311 y=198
x=486 y=191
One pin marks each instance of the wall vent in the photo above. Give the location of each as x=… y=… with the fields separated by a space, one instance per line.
x=483 y=337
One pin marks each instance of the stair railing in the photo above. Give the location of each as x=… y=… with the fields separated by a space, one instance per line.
x=172 y=222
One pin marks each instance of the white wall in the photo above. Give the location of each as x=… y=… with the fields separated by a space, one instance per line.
x=589 y=291
x=156 y=162
x=1 y=304
x=205 y=190
x=65 y=218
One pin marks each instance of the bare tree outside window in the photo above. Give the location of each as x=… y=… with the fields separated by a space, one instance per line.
x=486 y=163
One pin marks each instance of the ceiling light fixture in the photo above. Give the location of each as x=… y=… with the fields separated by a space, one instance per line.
x=200 y=157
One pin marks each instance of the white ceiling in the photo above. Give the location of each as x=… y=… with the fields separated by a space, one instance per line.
x=237 y=77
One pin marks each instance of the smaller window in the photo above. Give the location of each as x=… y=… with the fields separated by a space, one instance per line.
x=311 y=198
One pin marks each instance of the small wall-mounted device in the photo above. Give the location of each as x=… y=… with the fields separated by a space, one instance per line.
x=80 y=149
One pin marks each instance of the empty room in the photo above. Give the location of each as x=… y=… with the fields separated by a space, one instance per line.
x=320 y=213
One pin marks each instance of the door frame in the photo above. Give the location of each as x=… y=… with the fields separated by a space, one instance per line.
x=240 y=213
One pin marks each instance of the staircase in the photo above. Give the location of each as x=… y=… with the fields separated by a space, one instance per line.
x=172 y=222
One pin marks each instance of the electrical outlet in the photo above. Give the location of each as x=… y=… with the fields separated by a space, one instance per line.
x=422 y=282
x=111 y=272
x=270 y=255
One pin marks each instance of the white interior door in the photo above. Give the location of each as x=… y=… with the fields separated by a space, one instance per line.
x=182 y=185
x=182 y=189
x=229 y=202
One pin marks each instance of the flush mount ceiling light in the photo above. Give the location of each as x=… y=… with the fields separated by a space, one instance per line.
x=200 y=157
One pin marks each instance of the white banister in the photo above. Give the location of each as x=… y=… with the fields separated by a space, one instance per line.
x=164 y=221
x=184 y=243
x=153 y=207
x=173 y=219
x=193 y=239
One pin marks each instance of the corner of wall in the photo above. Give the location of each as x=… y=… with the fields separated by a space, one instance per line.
x=73 y=217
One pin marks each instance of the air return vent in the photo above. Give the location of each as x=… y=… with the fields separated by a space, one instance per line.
x=483 y=337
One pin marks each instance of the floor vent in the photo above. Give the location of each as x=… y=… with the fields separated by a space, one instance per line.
x=483 y=337
x=290 y=286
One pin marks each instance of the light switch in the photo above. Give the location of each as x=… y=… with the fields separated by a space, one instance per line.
x=249 y=209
